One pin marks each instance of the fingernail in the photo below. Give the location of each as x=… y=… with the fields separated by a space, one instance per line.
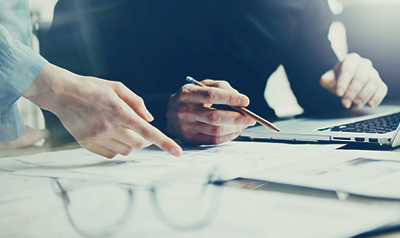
x=340 y=92
x=149 y=116
x=372 y=103
x=176 y=152
x=346 y=103
x=244 y=100
x=358 y=102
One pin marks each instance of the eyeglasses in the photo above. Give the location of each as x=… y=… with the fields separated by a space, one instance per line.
x=182 y=201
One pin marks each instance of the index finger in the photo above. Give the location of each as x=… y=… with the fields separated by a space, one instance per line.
x=133 y=100
x=152 y=134
x=218 y=84
x=347 y=71
x=211 y=95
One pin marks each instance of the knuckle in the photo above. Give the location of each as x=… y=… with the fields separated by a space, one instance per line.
x=146 y=132
x=368 y=92
x=365 y=95
x=184 y=92
x=361 y=79
x=118 y=85
x=210 y=95
x=354 y=56
x=139 y=144
x=208 y=81
x=237 y=120
x=372 y=87
x=233 y=99
x=217 y=130
x=181 y=111
x=368 y=62
x=101 y=128
x=224 y=84
x=348 y=70
x=185 y=127
x=230 y=99
x=115 y=108
x=140 y=101
x=355 y=87
x=384 y=88
x=376 y=75
x=214 y=140
x=212 y=117
x=350 y=94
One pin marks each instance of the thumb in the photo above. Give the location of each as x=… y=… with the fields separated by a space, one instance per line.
x=328 y=81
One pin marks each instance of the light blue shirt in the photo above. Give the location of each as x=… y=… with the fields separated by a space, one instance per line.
x=19 y=65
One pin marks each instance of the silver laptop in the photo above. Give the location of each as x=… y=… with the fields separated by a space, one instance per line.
x=379 y=126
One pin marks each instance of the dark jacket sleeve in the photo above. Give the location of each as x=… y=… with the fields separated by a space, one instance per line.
x=310 y=57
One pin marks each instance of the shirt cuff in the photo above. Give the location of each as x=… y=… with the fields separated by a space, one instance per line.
x=19 y=66
x=11 y=124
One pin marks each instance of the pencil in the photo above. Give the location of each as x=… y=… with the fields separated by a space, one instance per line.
x=243 y=110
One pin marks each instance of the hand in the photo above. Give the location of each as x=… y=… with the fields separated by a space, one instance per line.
x=191 y=118
x=30 y=137
x=357 y=81
x=104 y=116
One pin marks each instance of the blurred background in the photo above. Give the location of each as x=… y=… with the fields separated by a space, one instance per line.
x=368 y=27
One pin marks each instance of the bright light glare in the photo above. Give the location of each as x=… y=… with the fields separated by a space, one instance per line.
x=336 y=7
x=372 y=2
x=338 y=38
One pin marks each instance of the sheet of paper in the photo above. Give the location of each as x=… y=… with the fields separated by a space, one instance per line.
x=236 y=159
x=8 y=165
x=100 y=211
x=148 y=165
x=369 y=173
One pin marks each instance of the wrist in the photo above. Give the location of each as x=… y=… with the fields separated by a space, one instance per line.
x=45 y=89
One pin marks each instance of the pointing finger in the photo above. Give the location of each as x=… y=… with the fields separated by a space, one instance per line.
x=210 y=95
x=347 y=70
x=150 y=133
x=357 y=84
x=133 y=100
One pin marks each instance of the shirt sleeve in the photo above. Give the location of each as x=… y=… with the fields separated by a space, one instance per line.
x=19 y=66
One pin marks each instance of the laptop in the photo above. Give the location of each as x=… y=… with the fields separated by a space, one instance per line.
x=379 y=126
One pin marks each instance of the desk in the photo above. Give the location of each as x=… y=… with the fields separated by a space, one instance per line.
x=248 y=184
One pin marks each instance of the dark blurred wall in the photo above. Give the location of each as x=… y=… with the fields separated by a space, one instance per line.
x=373 y=31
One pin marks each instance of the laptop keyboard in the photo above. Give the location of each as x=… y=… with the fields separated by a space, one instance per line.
x=379 y=125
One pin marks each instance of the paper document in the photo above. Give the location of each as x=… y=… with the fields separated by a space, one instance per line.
x=369 y=173
x=147 y=165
